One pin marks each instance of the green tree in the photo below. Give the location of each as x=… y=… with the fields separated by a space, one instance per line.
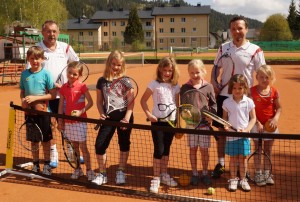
x=31 y=13
x=134 y=30
x=292 y=19
x=276 y=28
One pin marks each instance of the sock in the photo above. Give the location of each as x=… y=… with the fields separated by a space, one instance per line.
x=53 y=147
x=258 y=172
x=222 y=161
x=204 y=172
x=195 y=173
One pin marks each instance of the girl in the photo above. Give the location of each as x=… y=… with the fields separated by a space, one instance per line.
x=72 y=97
x=37 y=87
x=197 y=73
x=115 y=68
x=165 y=93
x=268 y=108
x=239 y=110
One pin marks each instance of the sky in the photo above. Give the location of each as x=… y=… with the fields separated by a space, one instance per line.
x=255 y=9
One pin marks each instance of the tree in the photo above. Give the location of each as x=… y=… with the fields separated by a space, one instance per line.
x=134 y=30
x=292 y=19
x=276 y=28
x=31 y=13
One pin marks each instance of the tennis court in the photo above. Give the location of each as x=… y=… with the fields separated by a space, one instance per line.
x=288 y=83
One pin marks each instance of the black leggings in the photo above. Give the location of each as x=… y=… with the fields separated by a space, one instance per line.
x=162 y=140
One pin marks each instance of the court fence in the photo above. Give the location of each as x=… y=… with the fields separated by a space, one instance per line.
x=139 y=169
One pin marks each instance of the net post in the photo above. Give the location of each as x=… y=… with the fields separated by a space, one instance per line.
x=10 y=139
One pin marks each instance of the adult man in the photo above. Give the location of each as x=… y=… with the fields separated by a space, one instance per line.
x=247 y=58
x=57 y=54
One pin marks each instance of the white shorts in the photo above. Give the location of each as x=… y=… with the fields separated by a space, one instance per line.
x=195 y=140
x=76 y=131
x=254 y=130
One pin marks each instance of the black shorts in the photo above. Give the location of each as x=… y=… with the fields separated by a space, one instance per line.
x=220 y=99
x=44 y=123
x=53 y=105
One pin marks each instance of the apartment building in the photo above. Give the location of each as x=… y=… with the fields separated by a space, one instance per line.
x=163 y=27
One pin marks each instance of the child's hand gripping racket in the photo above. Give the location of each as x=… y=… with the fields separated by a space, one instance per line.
x=69 y=151
x=121 y=94
x=218 y=119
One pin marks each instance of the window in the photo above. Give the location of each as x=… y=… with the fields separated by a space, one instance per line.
x=161 y=30
x=172 y=30
x=148 y=44
x=172 y=40
x=122 y=23
x=105 y=24
x=183 y=30
x=148 y=34
x=90 y=33
x=80 y=33
x=172 y=20
x=148 y=23
x=90 y=44
x=182 y=40
x=194 y=29
x=114 y=33
x=113 y=23
x=105 y=34
x=182 y=19
x=161 y=40
x=161 y=20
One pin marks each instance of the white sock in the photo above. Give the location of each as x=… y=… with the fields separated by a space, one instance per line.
x=53 y=147
x=204 y=172
x=195 y=173
x=222 y=161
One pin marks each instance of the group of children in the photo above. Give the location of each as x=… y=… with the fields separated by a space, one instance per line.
x=246 y=109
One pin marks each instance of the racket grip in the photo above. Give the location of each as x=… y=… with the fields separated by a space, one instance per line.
x=97 y=126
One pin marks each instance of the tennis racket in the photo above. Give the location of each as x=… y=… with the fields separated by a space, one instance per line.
x=69 y=151
x=30 y=133
x=224 y=66
x=62 y=76
x=258 y=161
x=121 y=94
x=218 y=119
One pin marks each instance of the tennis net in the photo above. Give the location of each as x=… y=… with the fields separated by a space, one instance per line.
x=139 y=169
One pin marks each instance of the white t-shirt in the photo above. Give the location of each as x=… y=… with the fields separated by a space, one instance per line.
x=163 y=94
x=247 y=59
x=238 y=113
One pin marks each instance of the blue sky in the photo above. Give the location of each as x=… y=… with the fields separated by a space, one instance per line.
x=256 y=9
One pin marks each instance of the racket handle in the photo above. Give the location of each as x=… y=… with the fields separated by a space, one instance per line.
x=97 y=126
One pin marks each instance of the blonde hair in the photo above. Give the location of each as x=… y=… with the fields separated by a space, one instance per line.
x=37 y=51
x=268 y=71
x=167 y=62
x=197 y=63
x=118 y=55
x=76 y=65
x=241 y=79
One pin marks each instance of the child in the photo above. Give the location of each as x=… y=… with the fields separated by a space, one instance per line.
x=37 y=87
x=114 y=69
x=72 y=102
x=268 y=108
x=239 y=110
x=197 y=73
x=165 y=92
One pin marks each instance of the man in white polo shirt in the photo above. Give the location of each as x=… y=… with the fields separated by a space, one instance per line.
x=247 y=58
x=57 y=54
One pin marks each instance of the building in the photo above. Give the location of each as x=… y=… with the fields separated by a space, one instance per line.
x=163 y=27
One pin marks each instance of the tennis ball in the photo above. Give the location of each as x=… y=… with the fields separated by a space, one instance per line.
x=269 y=128
x=184 y=180
x=73 y=113
x=186 y=114
x=211 y=191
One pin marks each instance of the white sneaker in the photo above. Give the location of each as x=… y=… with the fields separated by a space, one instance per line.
x=77 y=174
x=260 y=180
x=90 y=175
x=36 y=168
x=155 y=183
x=233 y=183
x=244 y=184
x=47 y=170
x=100 y=179
x=120 y=177
x=53 y=158
x=167 y=180
x=269 y=179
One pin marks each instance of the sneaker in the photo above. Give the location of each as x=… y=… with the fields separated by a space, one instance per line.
x=47 y=169
x=244 y=184
x=233 y=183
x=218 y=171
x=194 y=180
x=206 y=180
x=81 y=160
x=90 y=175
x=260 y=180
x=120 y=177
x=100 y=179
x=36 y=168
x=269 y=179
x=77 y=174
x=155 y=183
x=167 y=180
x=53 y=158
